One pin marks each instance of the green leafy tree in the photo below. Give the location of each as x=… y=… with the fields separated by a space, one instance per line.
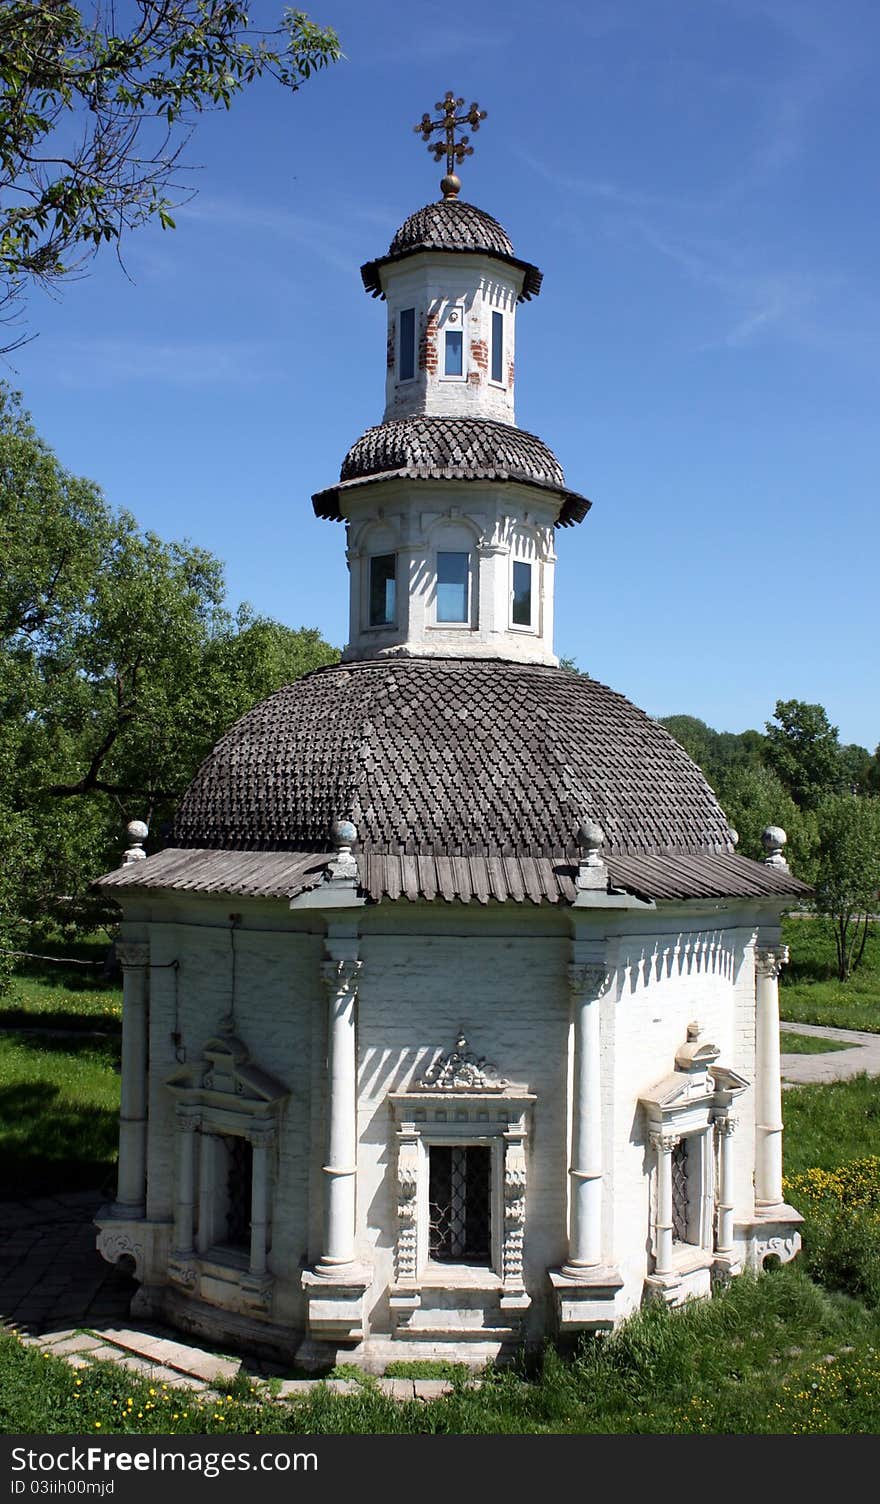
x=752 y=799
x=803 y=750
x=120 y=667
x=848 y=876
x=717 y=753
x=97 y=104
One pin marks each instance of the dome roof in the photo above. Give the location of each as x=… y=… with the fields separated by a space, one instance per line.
x=451 y=225
x=428 y=448
x=451 y=757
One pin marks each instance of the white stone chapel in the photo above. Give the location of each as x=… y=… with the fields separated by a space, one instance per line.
x=450 y=1012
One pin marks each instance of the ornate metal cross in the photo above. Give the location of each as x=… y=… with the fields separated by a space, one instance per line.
x=454 y=151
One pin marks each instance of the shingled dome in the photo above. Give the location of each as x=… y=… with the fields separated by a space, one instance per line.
x=428 y=448
x=446 y=756
x=451 y=225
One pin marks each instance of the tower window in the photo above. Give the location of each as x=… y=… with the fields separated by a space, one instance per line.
x=383 y=590
x=453 y=365
x=406 y=361
x=521 y=614
x=497 y=346
x=452 y=587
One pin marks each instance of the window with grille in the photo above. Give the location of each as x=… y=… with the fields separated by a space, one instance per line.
x=459 y=1192
x=239 y=1190
x=680 y=1193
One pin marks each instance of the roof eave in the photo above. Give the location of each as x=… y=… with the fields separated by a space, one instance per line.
x=573 y=508
x=372 y=279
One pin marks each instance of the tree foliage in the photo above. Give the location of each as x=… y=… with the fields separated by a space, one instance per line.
x=94 y=115
x=848 y=877
x=803 y=750
x=120 y=666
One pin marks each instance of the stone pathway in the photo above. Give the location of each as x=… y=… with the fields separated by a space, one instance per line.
x=839 y=1065
x=59 y=1294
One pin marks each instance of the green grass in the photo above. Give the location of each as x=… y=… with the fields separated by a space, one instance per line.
x=47 y=994
x=809 y=1044
x=775 y=1355
x=826 y=1126
x=810 y=992
x=59 y=1112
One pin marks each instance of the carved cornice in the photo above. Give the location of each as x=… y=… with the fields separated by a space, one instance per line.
x=770 y=960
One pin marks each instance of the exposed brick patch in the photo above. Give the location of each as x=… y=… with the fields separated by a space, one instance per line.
x=480 y=354
x=428 y=344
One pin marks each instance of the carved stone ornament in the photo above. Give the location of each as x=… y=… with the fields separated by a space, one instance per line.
x=726 y=1126
x=783 y=1247
x=462 y=1070
x=770 y=961
x=115 y=1243
x=341 y=976
x=664 y=1141
x=589 y=979
x=183 y=1272
x=132 y=953
x=514 y=1216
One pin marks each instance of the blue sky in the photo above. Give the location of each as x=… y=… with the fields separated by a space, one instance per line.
x=697 y=181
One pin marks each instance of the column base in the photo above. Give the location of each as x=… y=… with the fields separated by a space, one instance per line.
x=335 y=1300
x=586 y=1297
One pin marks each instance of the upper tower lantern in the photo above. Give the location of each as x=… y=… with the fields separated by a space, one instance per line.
x=451 y=509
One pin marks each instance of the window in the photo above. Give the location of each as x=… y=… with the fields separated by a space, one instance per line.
x=521 y=614
x=452 y=587
x=406 y=359
x=239 y=1167
x=459 y=1203
x=383 y=590
x=497 y=347
x=680 y=1193
x=453 y=365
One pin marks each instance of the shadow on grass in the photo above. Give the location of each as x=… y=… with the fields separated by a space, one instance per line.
x=59 y=1018
x=52 y=1144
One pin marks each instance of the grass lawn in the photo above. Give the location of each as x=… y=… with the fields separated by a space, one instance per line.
x=810 y=992
x=809 y=1044
x=49 y=995
x=59 y=1112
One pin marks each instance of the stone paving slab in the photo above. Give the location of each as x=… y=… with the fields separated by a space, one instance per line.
x=177 y=1355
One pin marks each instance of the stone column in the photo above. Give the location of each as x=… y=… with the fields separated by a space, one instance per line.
x=187 y=1125
x=131 y=1182
x=587 y=984
x=768 y=1083
x=664 y=1143
x=261 y=1140
x=341 y=979
x=724 y=1238
x=207 y=1191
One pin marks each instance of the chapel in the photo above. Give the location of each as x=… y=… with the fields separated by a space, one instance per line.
x=450 y=1010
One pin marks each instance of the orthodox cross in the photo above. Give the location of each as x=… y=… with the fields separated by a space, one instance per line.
x=454 y=151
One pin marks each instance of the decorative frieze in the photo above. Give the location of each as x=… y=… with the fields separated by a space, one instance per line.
x=462 y=1070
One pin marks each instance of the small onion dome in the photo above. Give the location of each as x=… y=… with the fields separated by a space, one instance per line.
x=435 y=448
x=454 y=226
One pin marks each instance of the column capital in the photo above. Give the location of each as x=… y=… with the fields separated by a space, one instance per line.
x=588 y=978
x=663 y=1140
x=188 y=1120
x=261 y=1135
x=132 y=953
x=726 y=1126
x=770 y=959
x=341 y=976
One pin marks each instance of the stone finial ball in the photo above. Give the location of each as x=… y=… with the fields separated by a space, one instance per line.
x=136 y=830
x=590 y=836
x=343 y=833
x=773 y=839
x=734 y=837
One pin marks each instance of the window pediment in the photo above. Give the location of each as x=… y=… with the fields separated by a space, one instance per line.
x=225 y=1069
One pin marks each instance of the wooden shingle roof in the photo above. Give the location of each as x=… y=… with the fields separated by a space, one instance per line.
x=457 y=227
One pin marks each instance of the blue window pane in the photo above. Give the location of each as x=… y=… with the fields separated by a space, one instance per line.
x=497 y=347
x=522 y=595
x=453 y=365
x=383 y=593
x=407 y=361
x=452 y=587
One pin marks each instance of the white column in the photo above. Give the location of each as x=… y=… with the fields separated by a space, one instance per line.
x=341 y=978
x=664 y=1143
x=206 y=1192
x=261 y=1140
x=768 y=1080
x=131 y=1181
x=587 y=984
x=724 y=1240
x=187 y=1125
